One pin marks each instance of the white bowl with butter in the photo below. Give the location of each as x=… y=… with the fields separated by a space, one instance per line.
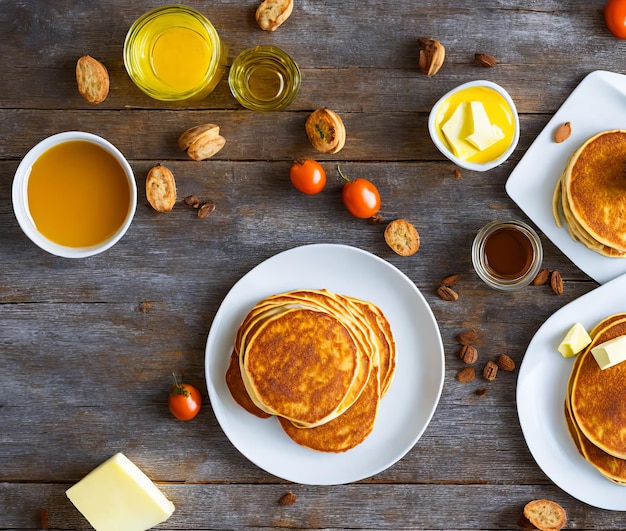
x=475 y=125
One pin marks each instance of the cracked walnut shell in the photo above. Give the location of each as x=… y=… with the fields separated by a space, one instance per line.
x=202 y=141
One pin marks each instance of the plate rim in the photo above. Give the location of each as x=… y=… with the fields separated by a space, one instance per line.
x=416 y=298
x=593 y=493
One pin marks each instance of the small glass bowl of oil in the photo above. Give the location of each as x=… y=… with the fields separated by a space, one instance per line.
x=507 y=255
x=500 y=112
x=173 y=53
x=264 y=78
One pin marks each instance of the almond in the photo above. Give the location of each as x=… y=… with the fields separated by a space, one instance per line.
x=563 y=132
x=161 y=188
x=505 y=363
x=92 y=79
x=289 y=498
x=484 y=59
x=542 y=277
x=466 y=337
x=466 y=375
x=451 y=280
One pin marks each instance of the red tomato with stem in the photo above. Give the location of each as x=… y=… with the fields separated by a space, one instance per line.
x=184 y=400
x=615 y=17
x=360 y=197
x=308 y=176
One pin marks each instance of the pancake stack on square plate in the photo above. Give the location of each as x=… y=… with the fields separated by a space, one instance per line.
x=318 y=361
x=590 y=196
x=595 y=408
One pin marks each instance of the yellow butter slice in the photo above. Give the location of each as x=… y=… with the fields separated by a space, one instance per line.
x=574 y=341
x=610 y=352
x=118 y=496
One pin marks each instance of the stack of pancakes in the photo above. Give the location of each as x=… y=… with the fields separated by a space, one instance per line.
x=590 y=196
x=594 y=405
x=318 y=361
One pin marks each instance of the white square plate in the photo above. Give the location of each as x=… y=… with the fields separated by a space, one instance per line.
x=597 y=104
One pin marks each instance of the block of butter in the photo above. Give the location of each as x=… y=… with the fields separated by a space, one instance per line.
x=455 y=131
x=485 y=133
x=610 y=352
x=574 y=341
x=118 y=496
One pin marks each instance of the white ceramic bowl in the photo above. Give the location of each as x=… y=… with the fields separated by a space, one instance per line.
x=443 y=147
x=20 y=196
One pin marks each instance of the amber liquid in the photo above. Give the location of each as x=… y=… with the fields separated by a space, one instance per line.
x=78 y=194
x=508 y=253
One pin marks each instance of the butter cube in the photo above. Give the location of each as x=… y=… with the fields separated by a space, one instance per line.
x=574 y=341
x=118 y=496
x=455 y=131
x=485 y=133
x=610 y=352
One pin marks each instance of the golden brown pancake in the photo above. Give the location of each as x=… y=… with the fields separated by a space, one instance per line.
x=591 y=194
x=598 y=396
x=238 y=389
x=300 y=364
x=314 y=359
x=347 y=430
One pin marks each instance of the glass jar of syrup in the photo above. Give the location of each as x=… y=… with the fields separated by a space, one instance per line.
x=507 y=255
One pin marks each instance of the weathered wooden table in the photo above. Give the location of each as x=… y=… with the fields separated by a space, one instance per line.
x=87 y=347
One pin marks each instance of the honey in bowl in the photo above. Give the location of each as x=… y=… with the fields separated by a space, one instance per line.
x=174 y=53
x=78 y=194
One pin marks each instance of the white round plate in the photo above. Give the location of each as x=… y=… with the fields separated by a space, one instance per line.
x=541 y=388
x=405 y=410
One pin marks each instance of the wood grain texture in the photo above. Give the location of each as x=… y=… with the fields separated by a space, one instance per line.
x=87 y=346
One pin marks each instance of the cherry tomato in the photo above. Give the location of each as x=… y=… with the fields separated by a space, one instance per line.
x=615 y=17
x=184 y=400
x=308 y=176
x=360 y=197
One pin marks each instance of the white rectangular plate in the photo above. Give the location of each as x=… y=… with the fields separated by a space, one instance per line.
x=597 y=104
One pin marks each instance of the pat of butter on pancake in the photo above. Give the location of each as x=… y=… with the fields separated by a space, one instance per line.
x=118 y=496
x=610 y=352
x=574 y=341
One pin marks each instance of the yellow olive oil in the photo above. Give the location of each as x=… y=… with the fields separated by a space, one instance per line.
x=264 y=78
x=174 y=53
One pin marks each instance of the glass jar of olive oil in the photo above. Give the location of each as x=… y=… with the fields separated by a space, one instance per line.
x=174 y=53
x=264 y=78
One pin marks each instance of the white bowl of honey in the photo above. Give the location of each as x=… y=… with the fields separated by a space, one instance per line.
x=174 y=53
x=74 y=194
x=475 y=125
x=507 y=255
